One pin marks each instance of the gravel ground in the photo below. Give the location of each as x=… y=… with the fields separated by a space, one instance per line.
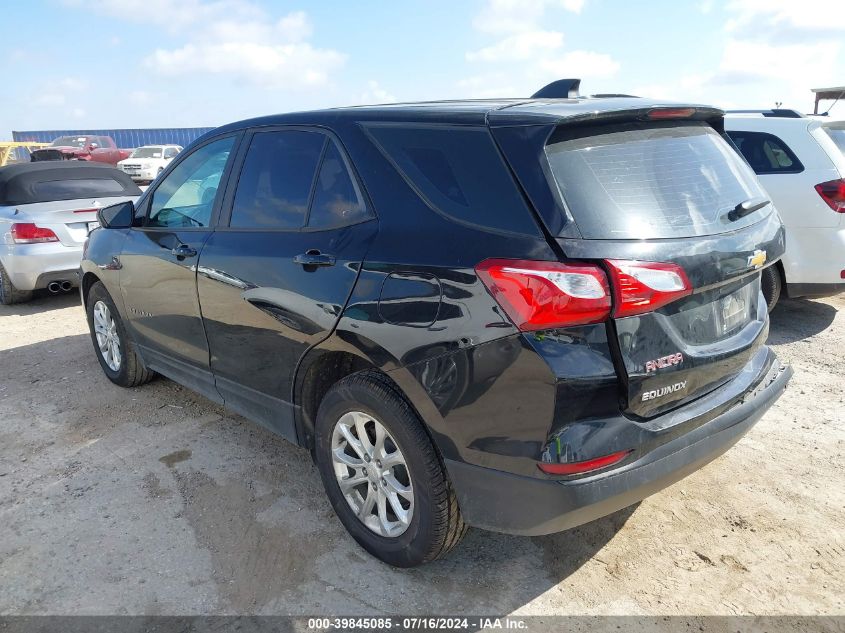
x=157 y=501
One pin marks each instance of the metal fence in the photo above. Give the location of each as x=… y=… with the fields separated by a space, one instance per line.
x=126 y=138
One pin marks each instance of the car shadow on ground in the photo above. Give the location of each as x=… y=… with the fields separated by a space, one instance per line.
x=42 y=301
x=796 y=319
x=263 y=537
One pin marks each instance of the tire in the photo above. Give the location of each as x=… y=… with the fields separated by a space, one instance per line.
x=434 y=525
x=8 y=293
x=129 y=370
x=772 y=285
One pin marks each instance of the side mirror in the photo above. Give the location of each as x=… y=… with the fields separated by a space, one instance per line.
x=117 y=216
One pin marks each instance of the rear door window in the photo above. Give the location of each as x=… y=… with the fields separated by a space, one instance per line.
x=459 y=172
x=766 y=153
x=651 y=180
x=336 y=199
x=276 y=180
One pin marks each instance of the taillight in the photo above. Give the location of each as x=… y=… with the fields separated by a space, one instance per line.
x=23 y=233
x=833 y=193
x=543 y=295
x=85 y=210
x=640 y=287
x=580 y=468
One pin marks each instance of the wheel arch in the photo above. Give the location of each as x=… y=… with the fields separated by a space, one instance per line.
x=334 y=359
x=88 y=280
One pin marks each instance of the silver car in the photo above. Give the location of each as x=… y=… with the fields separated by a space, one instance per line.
x=46 y=212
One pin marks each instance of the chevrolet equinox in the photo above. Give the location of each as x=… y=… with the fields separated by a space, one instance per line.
x=519 y=315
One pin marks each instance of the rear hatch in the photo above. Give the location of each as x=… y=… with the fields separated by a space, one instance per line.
x=657 y=204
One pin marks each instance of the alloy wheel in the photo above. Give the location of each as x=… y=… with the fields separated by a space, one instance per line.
x=372 y=474
x=108 y=340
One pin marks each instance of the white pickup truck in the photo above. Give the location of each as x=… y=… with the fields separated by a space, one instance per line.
x=147 y=162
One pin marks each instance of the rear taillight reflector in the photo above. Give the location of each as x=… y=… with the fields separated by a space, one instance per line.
x=24 y=233
x=579 y=468
x=640 y=287
x=538 y=295
x=833 y=193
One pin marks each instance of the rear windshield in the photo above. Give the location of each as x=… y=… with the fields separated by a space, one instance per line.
x=655 y=180
x=77 y=188
x=837 y=134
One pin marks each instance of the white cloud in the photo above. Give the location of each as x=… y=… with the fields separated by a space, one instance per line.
x=174 y=16
x=142 y=97
x=376 y=94
x=512 y=16
x=520 y=46
x=773 y=51
x=786 y=20
x=488 y=86
x=58 y=92
x=293 y=65
x=580 y=64
x=779 y=50
x=230 y=37
x=533 y=54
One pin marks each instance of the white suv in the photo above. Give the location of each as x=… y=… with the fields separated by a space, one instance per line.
x=146 y=163
x=801 y=162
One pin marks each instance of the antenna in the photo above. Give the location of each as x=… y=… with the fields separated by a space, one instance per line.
x=560 y=89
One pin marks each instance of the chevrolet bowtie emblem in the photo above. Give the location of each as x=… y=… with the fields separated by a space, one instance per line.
x=757 y=259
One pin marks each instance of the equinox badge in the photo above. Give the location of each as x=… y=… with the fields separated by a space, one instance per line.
x=664 y=391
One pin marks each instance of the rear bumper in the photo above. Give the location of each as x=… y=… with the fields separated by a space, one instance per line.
x=814 y=290
x=529 y=506
x=33 y=266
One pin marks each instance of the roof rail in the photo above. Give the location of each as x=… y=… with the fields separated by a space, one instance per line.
x=560 y=89
x=783 y=113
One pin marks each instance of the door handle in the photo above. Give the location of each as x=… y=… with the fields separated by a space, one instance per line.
x=313 y=257
x=183 y=250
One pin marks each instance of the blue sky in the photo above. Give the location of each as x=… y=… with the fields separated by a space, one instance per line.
x=162 y=63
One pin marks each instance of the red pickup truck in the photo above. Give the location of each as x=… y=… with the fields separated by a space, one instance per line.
x=100 y=149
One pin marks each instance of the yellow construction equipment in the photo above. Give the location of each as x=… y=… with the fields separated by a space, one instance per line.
x=9 y=155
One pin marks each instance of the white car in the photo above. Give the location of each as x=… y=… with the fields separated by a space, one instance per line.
x=146 y=163
x=800 y=161
x=46 y=211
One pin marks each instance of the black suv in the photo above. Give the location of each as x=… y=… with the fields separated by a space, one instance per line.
x=520 y=315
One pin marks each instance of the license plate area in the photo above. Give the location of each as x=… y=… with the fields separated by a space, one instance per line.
x=734 y=311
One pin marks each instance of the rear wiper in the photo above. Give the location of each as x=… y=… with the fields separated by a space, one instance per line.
x=749 y=206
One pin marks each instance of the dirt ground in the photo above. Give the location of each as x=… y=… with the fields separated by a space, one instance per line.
x=157 y=501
